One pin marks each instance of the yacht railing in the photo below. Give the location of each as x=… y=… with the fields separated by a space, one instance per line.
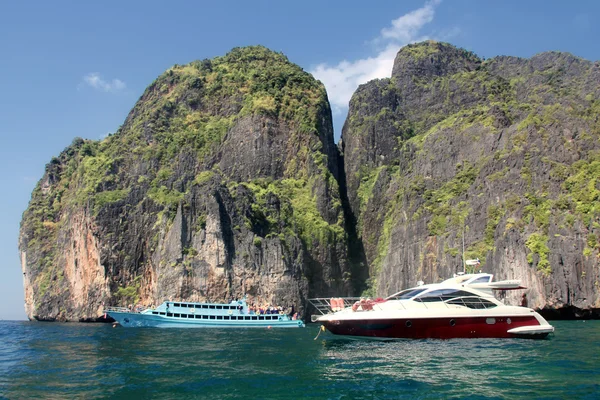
x=467 y=301
x=473 y=300
x=323 y=304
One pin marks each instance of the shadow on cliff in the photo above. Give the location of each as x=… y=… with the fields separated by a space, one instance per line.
x=356 y=251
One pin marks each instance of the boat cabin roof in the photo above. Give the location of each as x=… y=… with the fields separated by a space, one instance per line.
x=454 y=287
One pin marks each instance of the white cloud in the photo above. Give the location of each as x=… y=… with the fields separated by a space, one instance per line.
x=95 y=81
x=341 y=80
x=407 y=26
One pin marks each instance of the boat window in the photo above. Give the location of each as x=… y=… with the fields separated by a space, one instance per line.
x=169 y=314
x=212 y=317
x=155 y=312
x=261 y=317
x=442 y=295
x=176 y=315
x=198 y=316
x=219 y=307
x=219 y=317
x=176 y=305
x=162 y=313
x=406 y=294
x=226 y=317
x=247 y=318
x=211 y=307
x=205 y=317
x=254 y=318
x=473 y=302
x=482 y=279
x=204 y=306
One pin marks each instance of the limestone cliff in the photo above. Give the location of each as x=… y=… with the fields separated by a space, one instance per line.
x=222 y=181
x=503 y=154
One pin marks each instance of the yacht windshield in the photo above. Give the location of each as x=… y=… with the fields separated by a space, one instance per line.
x=406 y=294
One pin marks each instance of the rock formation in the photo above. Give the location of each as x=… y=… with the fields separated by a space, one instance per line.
x=224 y=180
x=503 y=154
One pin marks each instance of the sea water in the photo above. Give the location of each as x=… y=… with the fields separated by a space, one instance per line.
x=54 y=360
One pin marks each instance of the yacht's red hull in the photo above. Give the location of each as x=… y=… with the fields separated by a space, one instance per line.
x=438 y=328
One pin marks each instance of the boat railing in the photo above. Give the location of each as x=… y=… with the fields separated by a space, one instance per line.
x=471 y=302
x=323 y=304
x=441 y=300
x=118 y=309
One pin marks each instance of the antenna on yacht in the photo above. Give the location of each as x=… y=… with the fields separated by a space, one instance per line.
x=463 y=251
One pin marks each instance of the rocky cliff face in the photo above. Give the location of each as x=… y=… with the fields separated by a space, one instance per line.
x=503 y=154
x=223 y=181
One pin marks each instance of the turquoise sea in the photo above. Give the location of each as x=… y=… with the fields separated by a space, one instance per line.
x=53 y=360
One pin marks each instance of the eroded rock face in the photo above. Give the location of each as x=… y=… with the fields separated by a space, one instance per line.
x=222 y=182
x=503 y=153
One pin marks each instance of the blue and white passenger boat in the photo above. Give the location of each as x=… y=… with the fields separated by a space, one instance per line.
x=179 y=314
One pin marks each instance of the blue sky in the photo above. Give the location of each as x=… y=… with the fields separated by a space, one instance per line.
x=71 y=69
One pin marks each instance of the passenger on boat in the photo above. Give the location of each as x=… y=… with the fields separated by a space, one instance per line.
x=524 y=300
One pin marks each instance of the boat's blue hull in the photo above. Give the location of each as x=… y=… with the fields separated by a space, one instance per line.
x=137 y=320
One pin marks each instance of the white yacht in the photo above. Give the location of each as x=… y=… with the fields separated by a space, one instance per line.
x=461 y=307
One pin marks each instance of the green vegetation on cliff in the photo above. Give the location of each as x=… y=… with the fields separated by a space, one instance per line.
x=228 y=164
x=501 y=151
x=172 y=165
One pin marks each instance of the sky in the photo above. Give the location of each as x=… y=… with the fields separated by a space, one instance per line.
x=75 y=69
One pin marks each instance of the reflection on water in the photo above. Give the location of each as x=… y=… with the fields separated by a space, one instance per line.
x=75 y=360
x=456 y=367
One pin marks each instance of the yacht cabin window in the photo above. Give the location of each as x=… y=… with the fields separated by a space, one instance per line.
x=442 y=295
x=406 y=294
